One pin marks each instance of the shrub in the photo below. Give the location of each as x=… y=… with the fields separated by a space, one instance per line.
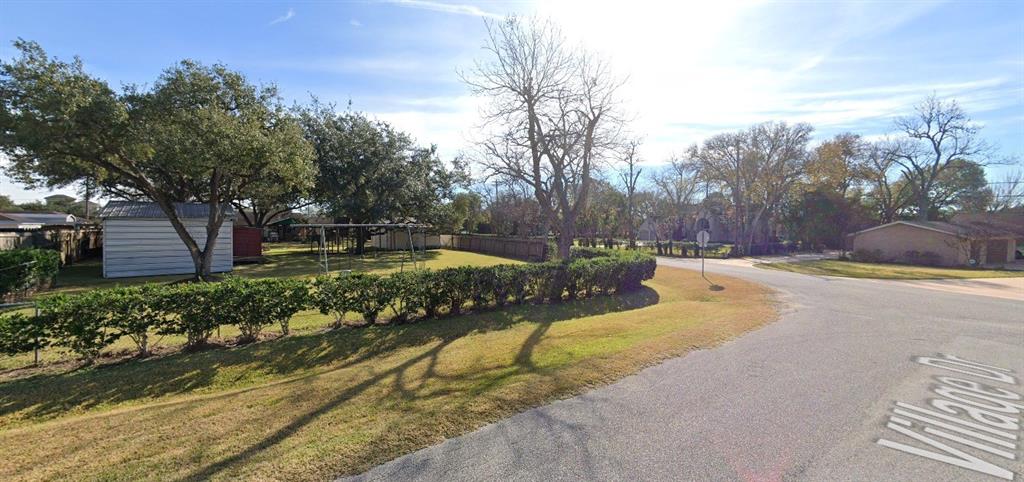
x=405 y=297
x=457 y=285
x=605 y=270
x=289 y=297
x=198 y=309
x=252 y=305
x=581 y=277
x=27 y=269
x=926 y=258
x=242 y=303
x=370 y=294
x=929 y=258
x=20 y=333
x=78 y=323
x=133 y=312
x=551 y=280
x=511 y=281
x=332 y=296
x=635 y=268
x=89 y=322
x=483 y=282
x=867 y=256
x=422 y=289
x=365 y=294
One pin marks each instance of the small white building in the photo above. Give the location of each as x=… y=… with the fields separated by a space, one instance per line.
x=139 y=240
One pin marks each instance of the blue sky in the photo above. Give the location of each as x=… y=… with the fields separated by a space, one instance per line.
x=693 y=69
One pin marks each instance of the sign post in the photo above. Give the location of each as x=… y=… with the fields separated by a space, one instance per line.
x=702 y=240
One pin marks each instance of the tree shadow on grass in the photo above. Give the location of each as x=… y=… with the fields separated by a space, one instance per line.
x=253 y=366
x=454 y=329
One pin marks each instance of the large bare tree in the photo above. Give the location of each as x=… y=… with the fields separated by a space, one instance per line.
x=677 y=183
x=1008 y=193
x=551 y=117
x=937 y=136
x=757 y=166
x=630 y=176
x=890 y=196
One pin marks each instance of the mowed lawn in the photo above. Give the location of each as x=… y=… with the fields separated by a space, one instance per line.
x=286 y=260
x=319 y=405
x=852 y=269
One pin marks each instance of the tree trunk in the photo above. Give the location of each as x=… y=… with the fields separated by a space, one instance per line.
x=179 y=227
x=923 y=206
x=565 y=237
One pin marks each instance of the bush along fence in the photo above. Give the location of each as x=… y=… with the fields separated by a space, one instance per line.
x=87 y=323
x=25 y=270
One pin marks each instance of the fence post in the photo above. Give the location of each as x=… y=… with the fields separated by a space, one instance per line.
x=35 y=348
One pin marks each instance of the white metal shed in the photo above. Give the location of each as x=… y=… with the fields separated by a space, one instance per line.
x=138 y=239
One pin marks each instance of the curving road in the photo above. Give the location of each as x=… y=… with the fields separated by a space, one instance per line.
x=810 y=397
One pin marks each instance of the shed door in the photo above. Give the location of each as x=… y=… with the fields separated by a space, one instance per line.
x=996 y=251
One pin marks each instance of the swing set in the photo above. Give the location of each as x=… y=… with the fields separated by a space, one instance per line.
x=346 y=238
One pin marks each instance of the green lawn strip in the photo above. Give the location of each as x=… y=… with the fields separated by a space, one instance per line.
x=287 y=261
x=852 y=269
x=316 y=406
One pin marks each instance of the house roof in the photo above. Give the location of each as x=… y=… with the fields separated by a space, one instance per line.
x=136 y=209
x=35 y=220
x=965 y=227
x=992 y=223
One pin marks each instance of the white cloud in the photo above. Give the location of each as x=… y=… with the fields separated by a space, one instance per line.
x=458 y=9
x=697 y=69
x=284 y=18
x=355 y=23
x=449 y=122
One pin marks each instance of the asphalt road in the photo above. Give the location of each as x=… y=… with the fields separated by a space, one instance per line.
x=810 y=397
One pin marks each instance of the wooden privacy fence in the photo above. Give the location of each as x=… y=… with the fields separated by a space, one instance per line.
x=73 y=244
x=530 y=249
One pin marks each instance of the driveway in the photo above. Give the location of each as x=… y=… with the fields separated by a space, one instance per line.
x=843 y=387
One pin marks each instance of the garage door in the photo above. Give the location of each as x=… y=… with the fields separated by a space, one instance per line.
x=996 y=251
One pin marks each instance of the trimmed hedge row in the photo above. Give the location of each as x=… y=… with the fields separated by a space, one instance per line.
x=87 y=323
x=27 y=269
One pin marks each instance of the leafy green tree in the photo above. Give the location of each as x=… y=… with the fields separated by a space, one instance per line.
x=272 y=195
x=822 y=217
x=463 y=213
x=200 y=133
x=369 y=172
x=33 y=207
x=7 y=204
x=960 y=187
x=834 y=164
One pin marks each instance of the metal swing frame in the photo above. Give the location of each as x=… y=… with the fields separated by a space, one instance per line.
x=323 y=261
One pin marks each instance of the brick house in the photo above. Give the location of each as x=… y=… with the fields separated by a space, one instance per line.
x=970 y=239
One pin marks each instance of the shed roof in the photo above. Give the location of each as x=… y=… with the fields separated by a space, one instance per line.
x=35 y=220
x=137 y=209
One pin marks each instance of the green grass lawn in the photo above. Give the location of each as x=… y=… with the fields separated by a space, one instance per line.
x=852 y=269
x=316 y=405
x=286 y=259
